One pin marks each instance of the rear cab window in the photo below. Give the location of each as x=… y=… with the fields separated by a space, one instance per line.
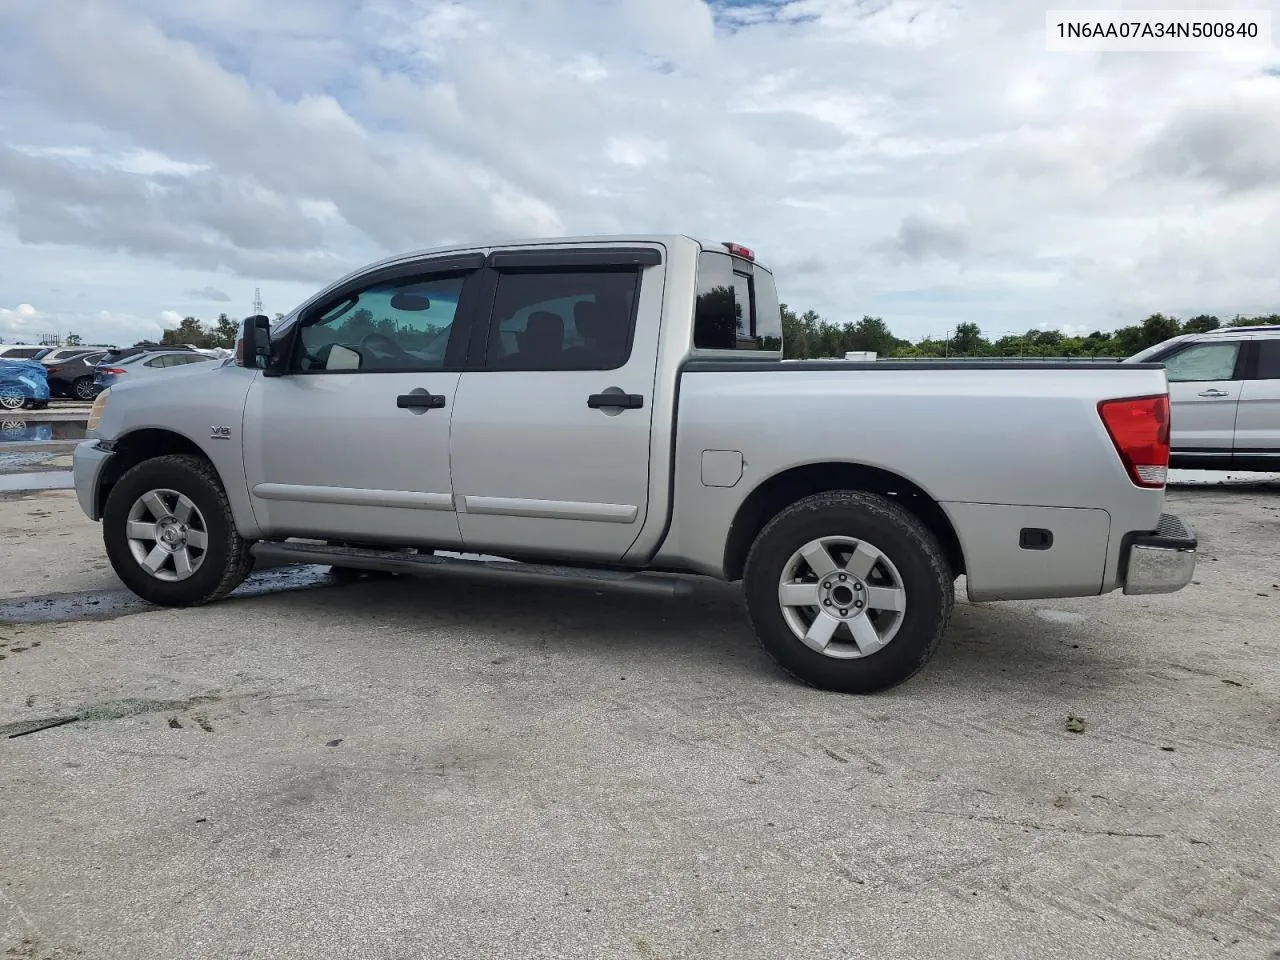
x=736 y=306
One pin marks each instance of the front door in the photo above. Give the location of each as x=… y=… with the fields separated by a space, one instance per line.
x=352 y=442
x=551 y=434
x=1204 y=392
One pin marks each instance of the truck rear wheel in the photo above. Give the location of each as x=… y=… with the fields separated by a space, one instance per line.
x=848 y=591
x=170 y=535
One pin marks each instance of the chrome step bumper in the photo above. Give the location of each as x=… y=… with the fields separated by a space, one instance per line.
x=1163 y=561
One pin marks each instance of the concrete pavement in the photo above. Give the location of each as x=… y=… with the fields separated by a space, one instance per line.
x=432 y=768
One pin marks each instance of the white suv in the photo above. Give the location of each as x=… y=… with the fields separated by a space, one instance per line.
x=1224 y=390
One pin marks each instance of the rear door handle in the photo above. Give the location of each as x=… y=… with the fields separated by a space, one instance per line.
x=1212 y=392
x=624 y=401
x=420 y=401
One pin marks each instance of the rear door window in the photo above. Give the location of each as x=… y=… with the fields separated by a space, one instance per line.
x=563 y=319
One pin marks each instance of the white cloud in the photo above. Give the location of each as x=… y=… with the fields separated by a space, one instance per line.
x=23 y=323
x=926 y=161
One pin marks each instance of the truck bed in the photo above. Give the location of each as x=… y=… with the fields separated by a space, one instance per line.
x=1000 y=446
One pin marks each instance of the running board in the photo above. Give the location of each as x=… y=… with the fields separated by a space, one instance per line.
x=416 y=564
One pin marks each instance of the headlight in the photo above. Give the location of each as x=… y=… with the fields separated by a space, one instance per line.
x=95 y=412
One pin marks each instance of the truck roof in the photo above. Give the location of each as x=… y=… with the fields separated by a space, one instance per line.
x=667 y=239
x=664 y=238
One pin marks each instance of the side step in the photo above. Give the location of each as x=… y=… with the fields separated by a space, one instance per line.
x=395 y=561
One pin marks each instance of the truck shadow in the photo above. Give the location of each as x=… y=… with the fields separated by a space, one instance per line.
x=989 y=646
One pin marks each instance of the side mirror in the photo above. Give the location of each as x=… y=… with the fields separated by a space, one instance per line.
x=254 y=347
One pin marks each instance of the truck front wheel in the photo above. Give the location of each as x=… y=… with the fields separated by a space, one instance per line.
x=848 y=591
x=170 y=535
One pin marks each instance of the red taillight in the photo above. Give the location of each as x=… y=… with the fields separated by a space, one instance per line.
x=1139 y=427
x=114 y=370
x=738 y=250
x=52 y=370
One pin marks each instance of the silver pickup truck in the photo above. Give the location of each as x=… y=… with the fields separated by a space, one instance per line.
x=613 y=412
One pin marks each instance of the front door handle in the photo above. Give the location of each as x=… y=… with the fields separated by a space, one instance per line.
x=1212 y=392
x=420 y=401
x=622 y=401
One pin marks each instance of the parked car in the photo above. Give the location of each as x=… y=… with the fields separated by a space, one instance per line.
x=146 y=365
x=66 y=353
x=22 y=351
x=23 y=384
x=1224 y=392
x=614 y=413
x=117 y=354
x=73 y=377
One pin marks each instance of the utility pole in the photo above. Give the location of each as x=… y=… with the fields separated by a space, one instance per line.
x=257 y=302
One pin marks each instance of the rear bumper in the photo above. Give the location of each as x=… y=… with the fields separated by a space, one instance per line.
x=1163 y=561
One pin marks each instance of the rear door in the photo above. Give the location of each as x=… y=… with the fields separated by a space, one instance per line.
x=1258 y=417
x=1205 y=379
x=550 y=434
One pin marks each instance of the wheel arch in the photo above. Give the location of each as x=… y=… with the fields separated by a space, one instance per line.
x=147 y=443
x=786 y=487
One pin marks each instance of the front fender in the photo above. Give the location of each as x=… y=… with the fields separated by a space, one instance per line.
x=201 y=413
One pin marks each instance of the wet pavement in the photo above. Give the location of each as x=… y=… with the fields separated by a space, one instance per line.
x=31 y=451
x=109 y=604
x=36 y=480
x=25 y=430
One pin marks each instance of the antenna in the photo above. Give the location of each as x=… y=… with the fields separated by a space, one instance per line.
x=257 y=302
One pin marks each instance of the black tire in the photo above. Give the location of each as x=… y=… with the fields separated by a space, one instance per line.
x=901 y=537
x=227 y=560
x=83 y=389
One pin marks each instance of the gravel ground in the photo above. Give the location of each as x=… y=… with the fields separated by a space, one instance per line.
x=417 y=768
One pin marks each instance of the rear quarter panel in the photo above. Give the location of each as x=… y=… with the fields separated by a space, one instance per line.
x=998 y=449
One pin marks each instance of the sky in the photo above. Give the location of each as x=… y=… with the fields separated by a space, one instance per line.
x=927 y=161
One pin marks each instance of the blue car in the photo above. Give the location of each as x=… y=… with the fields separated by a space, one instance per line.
x=23 y=383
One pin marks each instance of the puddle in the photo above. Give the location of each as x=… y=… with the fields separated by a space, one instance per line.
x=37 y=480
x=1060 y=616
x=21 y=430
x=109 y=604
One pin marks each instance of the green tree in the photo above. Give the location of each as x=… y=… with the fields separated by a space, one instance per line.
x=225 y=332
x=1240 y=321
x=967 y=341
x=1158 y=327
x=872 y=333
x=190 y=331
x=1201 y=324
